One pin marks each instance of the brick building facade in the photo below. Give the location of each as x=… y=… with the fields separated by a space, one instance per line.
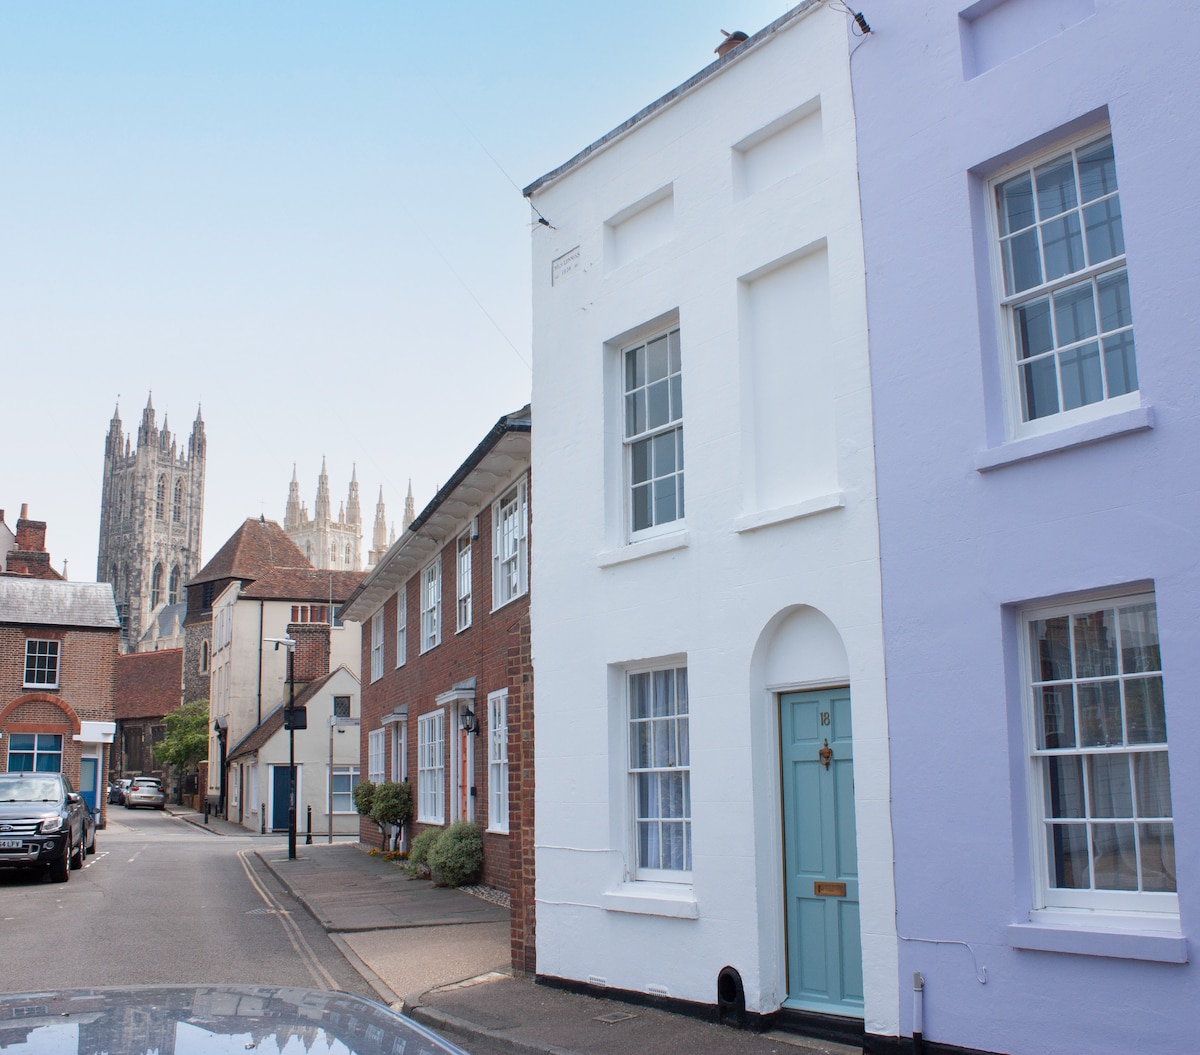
x=59 y=643
x=447 y=700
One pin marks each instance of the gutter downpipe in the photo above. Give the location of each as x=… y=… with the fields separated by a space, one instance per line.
x=260 y=660
x=918 y=1020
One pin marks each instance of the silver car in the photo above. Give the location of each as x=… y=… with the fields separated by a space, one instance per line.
x=145 y=791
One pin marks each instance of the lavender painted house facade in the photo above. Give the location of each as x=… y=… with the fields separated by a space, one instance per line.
x=1029 y=218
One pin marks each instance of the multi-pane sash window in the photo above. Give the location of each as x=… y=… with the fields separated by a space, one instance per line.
x=659 y=771
x=35 y=752
x=1099 y=758
x=498 y=761
x=431 y=768
x=654 y=430
x=1066 y=294
x=377 y=645
x=510 y=546
x=402 y=626
x=463 y=564
x=375 y=747
x=431 y=604
x=41 y=664
x=345 y=779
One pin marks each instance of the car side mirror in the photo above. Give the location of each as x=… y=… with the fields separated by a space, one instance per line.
x=74 y=796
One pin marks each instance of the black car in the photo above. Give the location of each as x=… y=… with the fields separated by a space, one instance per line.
x=44 y=824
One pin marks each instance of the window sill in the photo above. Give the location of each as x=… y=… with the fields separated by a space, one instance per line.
x=644 y=548
x=1136 y=420
x=1124 y=944
x=820 y=504
x=652 y=899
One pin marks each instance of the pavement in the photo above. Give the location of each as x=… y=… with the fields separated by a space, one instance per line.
x=441 y=956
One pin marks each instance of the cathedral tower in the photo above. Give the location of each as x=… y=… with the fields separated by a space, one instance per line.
x=327 y=541
x=151 y=515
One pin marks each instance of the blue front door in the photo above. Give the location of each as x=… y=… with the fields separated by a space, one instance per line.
x=280 y=798
x=89 y=770
x=824 y=944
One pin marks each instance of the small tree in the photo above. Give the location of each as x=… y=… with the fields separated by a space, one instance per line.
x=364 y=798
x=185 y=742
x=391 y=804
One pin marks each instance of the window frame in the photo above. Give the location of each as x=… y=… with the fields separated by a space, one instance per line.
x=431 y=604
x=1074 y=904
x=1007 y=305
x=507 y=586
x=462 y=565
x=497 y=762
x=42 y=661
x=649 y=434
x=377 y=646
x=402 y=625
x=35 y=752
x=342 y=770
x=431 y=767
x=641 y=871
x=375 y=756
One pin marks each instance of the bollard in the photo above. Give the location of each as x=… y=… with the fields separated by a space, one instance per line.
x=308 y=833
x=262 y=820
x=206 y=812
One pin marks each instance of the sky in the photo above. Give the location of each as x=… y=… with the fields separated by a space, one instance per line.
x=303 y=219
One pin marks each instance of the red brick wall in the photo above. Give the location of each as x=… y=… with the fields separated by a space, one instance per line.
x=495 y=651
x=85 y=692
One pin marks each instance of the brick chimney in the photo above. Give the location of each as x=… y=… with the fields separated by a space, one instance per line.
x=312 y=650
x=31 y=534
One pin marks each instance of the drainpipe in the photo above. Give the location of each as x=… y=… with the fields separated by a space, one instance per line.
x=260 y=660
x=918 y=1021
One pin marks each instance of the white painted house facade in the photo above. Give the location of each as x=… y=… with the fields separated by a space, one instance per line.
x=713 y=781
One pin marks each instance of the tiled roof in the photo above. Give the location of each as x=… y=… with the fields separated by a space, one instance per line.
x=273 y=722
x=254 y=549
x=303 y=584
x=149 y=684
x=45 y=602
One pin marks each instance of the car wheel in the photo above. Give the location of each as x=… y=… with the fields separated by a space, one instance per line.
x=60 y=867
x=78 y=854
x=90 y=848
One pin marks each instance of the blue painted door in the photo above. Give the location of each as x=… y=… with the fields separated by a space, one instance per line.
x=824 y=943
x=281 y=787
x=89 y=782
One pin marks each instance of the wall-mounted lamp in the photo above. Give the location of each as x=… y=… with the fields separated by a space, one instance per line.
x=470 y=724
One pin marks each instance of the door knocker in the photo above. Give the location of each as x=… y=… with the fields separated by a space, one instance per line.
x=825 y=754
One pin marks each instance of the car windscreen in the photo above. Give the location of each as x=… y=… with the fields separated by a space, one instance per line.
x=30 y=789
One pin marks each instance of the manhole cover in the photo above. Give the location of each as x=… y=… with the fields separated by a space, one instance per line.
x=615 y=1016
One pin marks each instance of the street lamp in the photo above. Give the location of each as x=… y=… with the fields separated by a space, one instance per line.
x=340 y=724
x=289 y=721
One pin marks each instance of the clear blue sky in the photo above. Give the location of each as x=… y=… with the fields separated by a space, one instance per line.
x=287 y=214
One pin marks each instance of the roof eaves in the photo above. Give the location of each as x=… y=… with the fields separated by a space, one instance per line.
x=673 y=96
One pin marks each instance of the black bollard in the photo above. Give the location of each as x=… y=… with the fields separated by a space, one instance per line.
x=206 y=812
x=308 y=834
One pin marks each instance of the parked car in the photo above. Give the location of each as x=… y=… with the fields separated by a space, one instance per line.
x=44 y=823
x=117 y=790
x=146 y=791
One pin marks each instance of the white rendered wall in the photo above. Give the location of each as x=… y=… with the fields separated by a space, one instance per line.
x=732 y=211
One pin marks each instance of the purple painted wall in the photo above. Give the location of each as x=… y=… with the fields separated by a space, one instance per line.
x=978 y=520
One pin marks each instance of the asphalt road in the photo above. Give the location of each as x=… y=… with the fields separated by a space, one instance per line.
x=162 y=902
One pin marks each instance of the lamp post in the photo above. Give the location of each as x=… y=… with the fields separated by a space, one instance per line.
x=289 y=721
x=336 y=723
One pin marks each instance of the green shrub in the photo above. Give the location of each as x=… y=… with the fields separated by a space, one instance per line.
x=457 y=857
x=391 y=804
x=418 y=850
x=364 y=796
